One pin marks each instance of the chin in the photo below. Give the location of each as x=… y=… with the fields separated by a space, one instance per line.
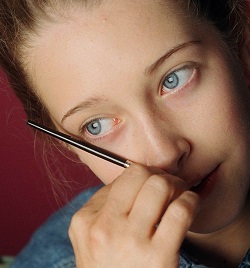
x=216 y=220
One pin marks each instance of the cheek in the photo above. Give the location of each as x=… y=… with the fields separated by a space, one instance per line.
x=226 y=99
x=104 y=170
x=223 y=116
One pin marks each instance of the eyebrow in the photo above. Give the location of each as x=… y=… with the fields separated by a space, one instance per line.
x=93 y=101
x=153 y=67
x=84 y=104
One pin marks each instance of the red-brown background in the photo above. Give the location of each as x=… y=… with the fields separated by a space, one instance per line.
x=26 y=193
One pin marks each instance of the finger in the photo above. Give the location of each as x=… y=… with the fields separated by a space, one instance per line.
x=125 y=188
x=114 y=199
x=176 y=221
x=156 y=193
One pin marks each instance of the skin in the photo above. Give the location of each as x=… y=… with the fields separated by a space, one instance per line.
x=104 y=58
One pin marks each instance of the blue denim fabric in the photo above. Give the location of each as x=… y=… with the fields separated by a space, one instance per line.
x=188 y=262
x=50 y=246
x=246 y=261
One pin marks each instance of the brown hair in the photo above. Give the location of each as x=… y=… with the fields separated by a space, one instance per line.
x=19 y=19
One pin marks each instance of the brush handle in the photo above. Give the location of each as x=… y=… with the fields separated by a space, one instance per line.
x=87 y=147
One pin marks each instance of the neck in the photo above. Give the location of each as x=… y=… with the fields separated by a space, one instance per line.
x=224 y=248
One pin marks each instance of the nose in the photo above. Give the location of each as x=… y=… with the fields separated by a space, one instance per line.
x=163 y=148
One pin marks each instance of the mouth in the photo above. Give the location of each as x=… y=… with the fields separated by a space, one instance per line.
x=206 y=185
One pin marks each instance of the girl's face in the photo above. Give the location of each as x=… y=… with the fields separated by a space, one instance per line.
x=141 y=79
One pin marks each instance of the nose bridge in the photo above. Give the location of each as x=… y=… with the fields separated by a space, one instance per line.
x=162 y=146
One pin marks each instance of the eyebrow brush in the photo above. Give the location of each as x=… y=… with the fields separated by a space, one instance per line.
x=87 y=147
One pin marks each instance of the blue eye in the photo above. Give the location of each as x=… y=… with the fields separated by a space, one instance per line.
x=177 y=79
x=100 y=126
x=94 y=127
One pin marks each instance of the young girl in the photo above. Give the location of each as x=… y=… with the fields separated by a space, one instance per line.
x=162 y=83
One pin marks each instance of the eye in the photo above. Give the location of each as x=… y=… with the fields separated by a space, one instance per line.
x=99 y=126
x=177 y=79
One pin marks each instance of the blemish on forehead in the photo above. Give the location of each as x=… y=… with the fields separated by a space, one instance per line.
x=104 y=19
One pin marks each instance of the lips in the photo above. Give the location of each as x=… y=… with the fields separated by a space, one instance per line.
x=205 y=186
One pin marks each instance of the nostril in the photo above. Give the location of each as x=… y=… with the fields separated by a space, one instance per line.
x=169 y=161
x=179 y=157
x=185 y=149
x=181 y=160
x=168 y=151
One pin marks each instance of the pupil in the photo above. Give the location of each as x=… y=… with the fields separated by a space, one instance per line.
x=94 y=128
x=171 y=81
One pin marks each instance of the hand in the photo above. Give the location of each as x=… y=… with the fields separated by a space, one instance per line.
x=117 y=227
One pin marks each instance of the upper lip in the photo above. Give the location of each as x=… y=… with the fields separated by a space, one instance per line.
x=198 y=181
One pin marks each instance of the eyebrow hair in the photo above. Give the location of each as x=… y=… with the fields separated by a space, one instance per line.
x=93 y=101
x=84 y=104
x=153 y=67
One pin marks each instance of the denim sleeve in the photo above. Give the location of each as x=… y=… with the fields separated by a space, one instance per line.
x=187 y=261
x=50 y=246
x=246 y=261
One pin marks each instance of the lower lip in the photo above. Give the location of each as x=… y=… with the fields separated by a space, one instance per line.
x=205 y=188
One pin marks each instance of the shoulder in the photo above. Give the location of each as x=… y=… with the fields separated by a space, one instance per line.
x=50 y=245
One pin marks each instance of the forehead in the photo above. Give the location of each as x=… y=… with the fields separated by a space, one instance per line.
x=115 y=19
x=103 y=43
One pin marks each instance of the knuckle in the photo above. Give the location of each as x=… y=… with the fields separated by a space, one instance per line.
x=78 y=222
x=136 y=170
x=75 y=223
x=160 y=183
x=180 y=211
x=97 y=237
x=84 y=228
x=184 y=209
